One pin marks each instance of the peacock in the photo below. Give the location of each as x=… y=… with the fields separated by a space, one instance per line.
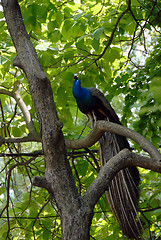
x=123 y=192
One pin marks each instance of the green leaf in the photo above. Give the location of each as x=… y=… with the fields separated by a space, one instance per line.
x=1 y=15
x=95 y=44
x=52 y=25
x=39 y=10
x=135 y=3
x=155 y=88
x=46 y=234
x=98 y=32
x=59 y=18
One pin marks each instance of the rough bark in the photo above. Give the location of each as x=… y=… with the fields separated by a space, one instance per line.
x=75 y=215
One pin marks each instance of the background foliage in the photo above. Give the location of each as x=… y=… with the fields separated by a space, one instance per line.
x=115 y=50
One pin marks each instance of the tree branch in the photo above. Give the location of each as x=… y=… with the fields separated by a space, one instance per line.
x=16 y=95
x=124 y=158
x=114 y=29
x=24 y=109
x=94 y=136
x=8 y=181
x=30 y=138
x=42 y=183
x=104 y=126
x=111 y=37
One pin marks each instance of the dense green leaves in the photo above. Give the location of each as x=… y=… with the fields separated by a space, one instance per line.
x=118 y=53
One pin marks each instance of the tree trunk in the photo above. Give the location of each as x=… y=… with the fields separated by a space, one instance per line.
x=75 y=217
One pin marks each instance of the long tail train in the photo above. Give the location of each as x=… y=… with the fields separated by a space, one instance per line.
x=123 y=192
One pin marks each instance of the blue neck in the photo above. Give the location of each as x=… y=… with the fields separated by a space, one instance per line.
x=81 y=95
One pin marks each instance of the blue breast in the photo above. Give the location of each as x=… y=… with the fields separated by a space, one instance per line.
x=82 y=95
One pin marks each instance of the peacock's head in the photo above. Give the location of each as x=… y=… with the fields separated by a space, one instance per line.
x=75 y=77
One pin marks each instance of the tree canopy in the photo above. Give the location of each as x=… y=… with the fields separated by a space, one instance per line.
x=114 y=46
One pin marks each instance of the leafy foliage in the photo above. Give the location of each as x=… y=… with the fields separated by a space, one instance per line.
x=115 y=50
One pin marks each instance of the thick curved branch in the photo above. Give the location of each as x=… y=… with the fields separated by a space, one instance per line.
x=104 y=126
x=123 y=159
x=42 y=183
x=94 y=136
